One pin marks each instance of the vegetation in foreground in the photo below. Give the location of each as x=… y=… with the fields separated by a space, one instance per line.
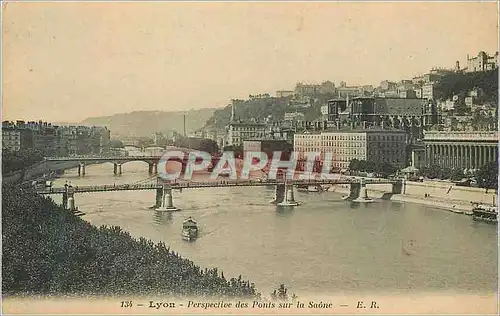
x=49 y=251
x=18 y=160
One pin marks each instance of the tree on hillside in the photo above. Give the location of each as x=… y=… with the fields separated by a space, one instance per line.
x=460 y=83
x=201 y=144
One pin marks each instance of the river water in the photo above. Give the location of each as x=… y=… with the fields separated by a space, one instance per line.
x=324 y=246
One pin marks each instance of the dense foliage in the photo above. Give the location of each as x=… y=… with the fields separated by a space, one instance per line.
x=371 y=166
x=116 y=143
x=18 y=160
x=262 y=108
x=49 y=251
x=437 y=172
x=460 y=83
x=487 y=176
x=201 y=144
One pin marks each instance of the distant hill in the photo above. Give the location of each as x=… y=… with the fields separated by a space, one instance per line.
x=146 y=123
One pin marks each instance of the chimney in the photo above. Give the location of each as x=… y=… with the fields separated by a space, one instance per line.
x=382 y=124
x=184 y=125
x=232 y=110
x=364 y=124
x=338 y=124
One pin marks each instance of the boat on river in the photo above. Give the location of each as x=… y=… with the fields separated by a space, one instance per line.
x=189 y=229
x=485 y=213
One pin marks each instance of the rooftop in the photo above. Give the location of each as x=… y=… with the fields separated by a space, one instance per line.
x=356 y=130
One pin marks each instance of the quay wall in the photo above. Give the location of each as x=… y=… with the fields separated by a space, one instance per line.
x=37 y=170
x=440 y=194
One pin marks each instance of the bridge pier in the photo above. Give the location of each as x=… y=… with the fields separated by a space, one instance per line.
x=153 y=168
x=71 y=202
x=65 y=199
x=81 y=169
x=397 y=187
x=159 y=197
x=117 y=169
x=362 y=193
x=289 y=199
x=354 y=190
x=167 y=203
x=279 y=194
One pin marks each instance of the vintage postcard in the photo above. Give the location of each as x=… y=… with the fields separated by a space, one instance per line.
x=249 y=157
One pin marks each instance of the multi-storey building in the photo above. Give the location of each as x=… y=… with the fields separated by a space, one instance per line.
x=313 y=89
x=483 y=62
x=237 y=132
x=411 y=115
x=461 y=149
x=55 y=140
x=11 y=139
x=284 y=93
x=428 y=91
x=373 y=144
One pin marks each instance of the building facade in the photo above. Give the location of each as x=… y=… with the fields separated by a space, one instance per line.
x=461 y=150
x=482 y=62
x=428 y=91
x=375 y=145
x=237 y=132
x=55 y=140
x=284 y=93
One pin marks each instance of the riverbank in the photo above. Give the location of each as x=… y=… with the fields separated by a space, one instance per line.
x=49 y=251
x=441 y=195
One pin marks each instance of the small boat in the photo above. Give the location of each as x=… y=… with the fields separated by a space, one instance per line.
x=309 y=188
x=189 y=229
x=485 y=213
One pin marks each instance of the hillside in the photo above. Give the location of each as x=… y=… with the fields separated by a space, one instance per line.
x=146 y=123
x=459 y=83
x=260 y=109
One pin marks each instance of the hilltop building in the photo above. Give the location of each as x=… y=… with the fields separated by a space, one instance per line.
x=482 y=62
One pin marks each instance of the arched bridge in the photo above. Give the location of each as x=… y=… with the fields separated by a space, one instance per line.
x=152 y=161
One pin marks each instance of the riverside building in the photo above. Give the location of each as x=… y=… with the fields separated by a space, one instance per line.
x=55 y=140
x=460 y=150
x=373 y=144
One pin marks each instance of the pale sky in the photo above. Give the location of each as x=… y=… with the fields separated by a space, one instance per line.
x=70 y=61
